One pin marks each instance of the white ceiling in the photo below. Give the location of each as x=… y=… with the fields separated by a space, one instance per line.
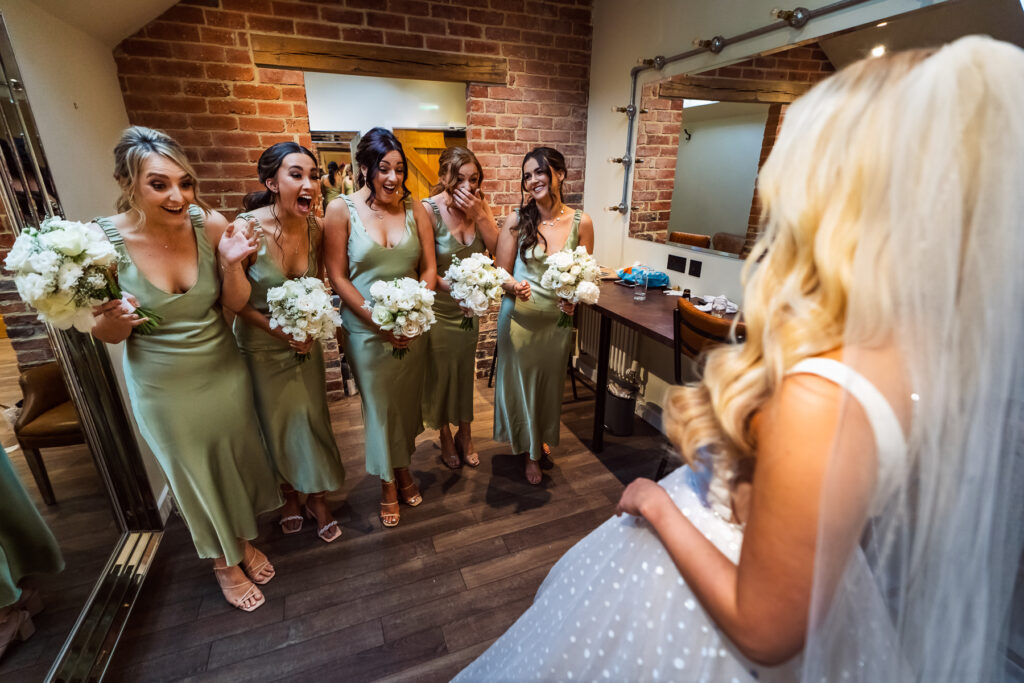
x=110 y=21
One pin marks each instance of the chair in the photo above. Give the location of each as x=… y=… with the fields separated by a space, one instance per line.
x=728 y=241
x=47 y=420
x=690 y=239
x=695 y=331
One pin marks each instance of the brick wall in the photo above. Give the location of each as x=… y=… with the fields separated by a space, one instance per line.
x=658 y=136
x=190 y=72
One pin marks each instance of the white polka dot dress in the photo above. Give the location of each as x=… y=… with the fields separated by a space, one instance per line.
x=615 y=608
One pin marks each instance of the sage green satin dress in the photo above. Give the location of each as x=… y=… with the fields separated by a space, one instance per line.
x=451 y=350
x=291 y=396
x=389 y=388
x=27 y=545
x=192 y=399
x=533 y=354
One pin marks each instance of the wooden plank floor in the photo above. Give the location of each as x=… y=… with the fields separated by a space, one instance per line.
x=82 y=521
x=414 y=603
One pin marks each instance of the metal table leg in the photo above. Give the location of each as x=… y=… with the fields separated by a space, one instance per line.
x=603 y=352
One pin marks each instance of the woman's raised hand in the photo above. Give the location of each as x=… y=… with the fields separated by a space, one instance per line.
x=236 y=245
x=469 y=203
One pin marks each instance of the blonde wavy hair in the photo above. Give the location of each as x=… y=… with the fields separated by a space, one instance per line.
x=823 y=191
x=452 y=159
x=131 y=151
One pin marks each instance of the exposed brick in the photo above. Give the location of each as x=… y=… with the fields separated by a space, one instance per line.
x=256 y=92
x=230 y=72
x=261 y=125
x=203 y=89
x=457 y=28
x=161 y=30
x=271 y=24
x=213 y=122
x=403 y=39
x=336 y=15
x=234 y=20
x=385 y=20
x=318 y=30
x=183 y=14
x=282 y=76
x=294 y=10
x=274 y=109
x=362 y=35
x=216 y=36
x=232 y=106
x=415 y=8
x=443 y=44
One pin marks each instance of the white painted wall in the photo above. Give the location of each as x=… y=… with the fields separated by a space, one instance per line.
x=72 y=87
x=624 y=34
x=716 y=168
x=358 y=103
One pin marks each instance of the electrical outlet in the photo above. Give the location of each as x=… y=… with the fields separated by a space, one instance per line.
x=694 y=267
x=676 y=263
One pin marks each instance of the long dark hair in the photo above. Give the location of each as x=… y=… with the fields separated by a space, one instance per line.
x=267 y=167
x=549 y=161
x=332 y=168
x=371 y=149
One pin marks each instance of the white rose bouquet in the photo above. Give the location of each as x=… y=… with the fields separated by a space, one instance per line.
x=403 y=307
x=302 y=308
x=65 y=268
x=572 y=275
x=475 y=283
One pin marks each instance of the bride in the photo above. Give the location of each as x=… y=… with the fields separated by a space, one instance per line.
x=851 y=509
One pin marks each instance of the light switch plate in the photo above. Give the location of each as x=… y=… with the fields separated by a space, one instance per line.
x=677 y=263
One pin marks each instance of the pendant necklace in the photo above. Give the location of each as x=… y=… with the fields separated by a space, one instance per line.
x=552 y=221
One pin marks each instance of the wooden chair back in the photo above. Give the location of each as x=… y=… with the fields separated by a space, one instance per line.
x=696 y=331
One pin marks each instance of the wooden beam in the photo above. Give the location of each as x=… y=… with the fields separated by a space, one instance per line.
x=333 y=56
x=731 y=89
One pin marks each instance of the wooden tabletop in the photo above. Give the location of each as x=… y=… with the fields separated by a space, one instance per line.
x=652 y=317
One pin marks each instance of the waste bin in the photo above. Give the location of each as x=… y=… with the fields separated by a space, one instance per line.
x=619 y=408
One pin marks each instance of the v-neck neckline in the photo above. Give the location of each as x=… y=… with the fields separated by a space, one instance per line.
x=145 y=278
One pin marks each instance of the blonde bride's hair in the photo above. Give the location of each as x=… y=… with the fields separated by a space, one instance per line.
x=824 y=190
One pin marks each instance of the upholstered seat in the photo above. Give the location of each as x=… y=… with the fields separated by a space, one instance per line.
x=47 y=420
x=696 y=332
x=690 y=239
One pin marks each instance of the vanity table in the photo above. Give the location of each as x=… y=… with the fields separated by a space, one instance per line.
x=652 y=317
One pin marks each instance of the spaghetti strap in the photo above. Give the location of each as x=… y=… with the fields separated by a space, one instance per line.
x=108 y=228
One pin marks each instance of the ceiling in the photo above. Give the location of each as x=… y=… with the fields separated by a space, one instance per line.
x=1001 y=19
x=109 y=21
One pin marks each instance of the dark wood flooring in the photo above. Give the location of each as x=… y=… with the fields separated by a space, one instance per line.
x=82 y=521
x=414 y=603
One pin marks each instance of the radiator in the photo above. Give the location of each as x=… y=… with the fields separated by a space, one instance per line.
x=622 y=354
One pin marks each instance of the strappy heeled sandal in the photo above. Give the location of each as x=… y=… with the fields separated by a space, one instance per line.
x=322 y=531
x=526 y=466
x=238 y=602
x=15 y=624
x=411 y=499
x=255 y=564
x=471 y=459
x=284 y=521
x=389 y=514
x=30 y=601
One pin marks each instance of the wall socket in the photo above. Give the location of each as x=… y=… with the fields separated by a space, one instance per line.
x=677 y=263
x=694 y=267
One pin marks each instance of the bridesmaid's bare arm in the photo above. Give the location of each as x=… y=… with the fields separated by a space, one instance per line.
x=337 y=224
x=505 y=256
x=428 y=255
x=587 y=233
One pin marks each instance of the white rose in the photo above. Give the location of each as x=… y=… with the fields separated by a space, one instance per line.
x=565 y=292
x=588 y=292
x=411 y=328
x=382 y=316
x=69 y=241
x=45 y=262
x=566 y=278
x=20 y=252
x=378 y=289
x=31 y=286
x=68 y=275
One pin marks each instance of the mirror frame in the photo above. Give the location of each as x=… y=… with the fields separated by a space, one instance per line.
x=92 y=385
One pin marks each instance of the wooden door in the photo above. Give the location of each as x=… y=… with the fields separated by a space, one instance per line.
x=422 y=150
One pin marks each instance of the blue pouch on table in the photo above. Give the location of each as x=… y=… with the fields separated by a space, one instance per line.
x=655 y=278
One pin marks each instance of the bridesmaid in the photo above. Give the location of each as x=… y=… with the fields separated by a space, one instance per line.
x=381 y=233
x=533 y=351
x=463 y=225
x=189 y=370
x=27 y=546
x=291 y=396
x=332 y=184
